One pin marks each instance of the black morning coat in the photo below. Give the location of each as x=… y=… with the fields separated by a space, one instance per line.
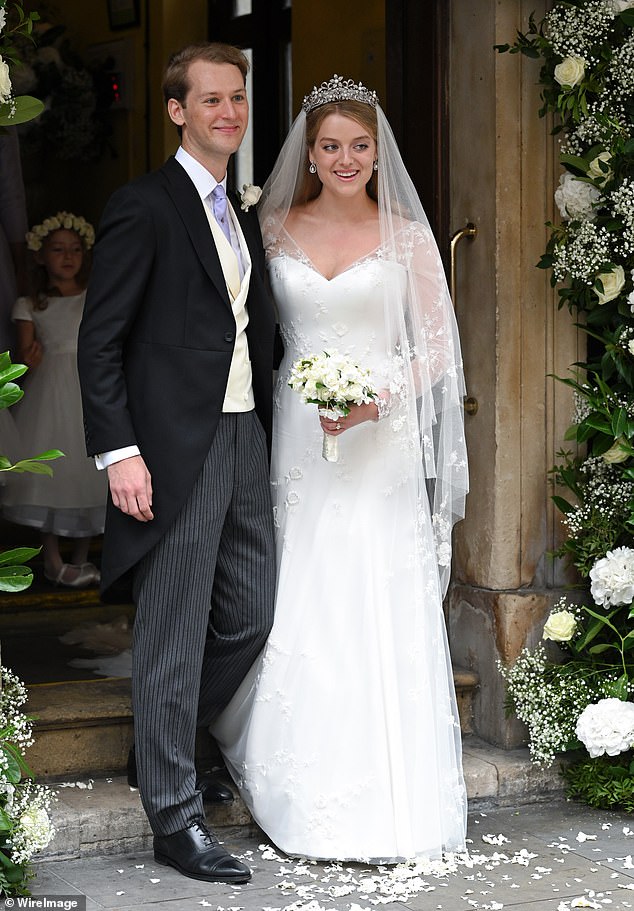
x=155 y=347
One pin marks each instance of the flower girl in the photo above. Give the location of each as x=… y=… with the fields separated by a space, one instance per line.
x=71 y=504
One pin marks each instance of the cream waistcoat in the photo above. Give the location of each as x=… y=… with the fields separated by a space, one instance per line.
x=239 y=391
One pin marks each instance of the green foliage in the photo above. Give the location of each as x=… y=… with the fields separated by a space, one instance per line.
x=15 y=576
x=586 y=50
x=606 y=782
x=24 y=107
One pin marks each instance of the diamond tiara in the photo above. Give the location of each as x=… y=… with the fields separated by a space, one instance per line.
x=339 y=89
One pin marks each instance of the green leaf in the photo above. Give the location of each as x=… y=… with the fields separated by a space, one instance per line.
x=10 y=393
x=5 y=821
x=34 y=464
x=16 y=583
x=575 y=162
x=18 y=555
x=619 y=422
x=23 y=109
x=561 y=504
x=593 y=630
x=9 y=371
x=600 y=648
x=619 y=688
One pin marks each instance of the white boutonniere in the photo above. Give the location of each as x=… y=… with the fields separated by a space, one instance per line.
x=249 y=196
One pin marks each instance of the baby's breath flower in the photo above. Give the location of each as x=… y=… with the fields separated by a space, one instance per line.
x=586 y=249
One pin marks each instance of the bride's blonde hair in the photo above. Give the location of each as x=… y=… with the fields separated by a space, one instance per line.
x=364 y=114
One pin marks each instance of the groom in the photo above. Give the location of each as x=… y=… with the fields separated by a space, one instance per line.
x=175 y=359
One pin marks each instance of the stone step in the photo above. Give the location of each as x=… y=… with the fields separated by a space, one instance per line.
x=81 y=727
x=105 y=816
x=84 y=727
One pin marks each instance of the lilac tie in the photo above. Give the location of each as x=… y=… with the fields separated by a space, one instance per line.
x=220 y=210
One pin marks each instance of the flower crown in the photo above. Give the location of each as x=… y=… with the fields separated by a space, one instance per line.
x=63 y=220
x=339 y=89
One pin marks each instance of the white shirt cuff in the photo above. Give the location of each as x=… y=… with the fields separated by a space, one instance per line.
x=104 y=459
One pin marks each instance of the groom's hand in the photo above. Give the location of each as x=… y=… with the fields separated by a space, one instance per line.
x=131 y=488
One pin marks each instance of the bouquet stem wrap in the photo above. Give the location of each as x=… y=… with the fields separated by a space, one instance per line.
x=330 y=445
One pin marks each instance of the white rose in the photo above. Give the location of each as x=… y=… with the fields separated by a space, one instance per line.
x=250 y=196
x=5 y=82
x=570 y=71
x=606 y=727
x=576 y=198
x=560 y=626
x=597 y=169
x=617 y=6
x=612 y=282
x=3 y=18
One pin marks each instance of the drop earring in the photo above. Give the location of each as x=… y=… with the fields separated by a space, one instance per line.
x=312 y=167
x=376 y=166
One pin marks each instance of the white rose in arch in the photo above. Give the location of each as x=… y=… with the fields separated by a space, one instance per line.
x=560 y=626
x=612 y=283
x=596 y=170
x=570 y=71
x=5 y=82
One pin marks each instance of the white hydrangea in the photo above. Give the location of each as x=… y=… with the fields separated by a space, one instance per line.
x=606 y=727
x=576 y=198
x=612 y=578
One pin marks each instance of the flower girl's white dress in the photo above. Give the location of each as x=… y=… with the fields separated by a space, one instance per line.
x=344 y=740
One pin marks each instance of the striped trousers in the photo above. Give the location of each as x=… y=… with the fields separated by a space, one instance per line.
x=204 y=606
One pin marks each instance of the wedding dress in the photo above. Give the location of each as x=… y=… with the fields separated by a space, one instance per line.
x=344 y=740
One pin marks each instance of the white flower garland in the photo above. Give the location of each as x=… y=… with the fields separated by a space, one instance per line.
x=62 y=220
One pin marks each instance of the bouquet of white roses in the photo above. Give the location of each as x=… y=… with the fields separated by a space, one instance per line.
x=333 y=382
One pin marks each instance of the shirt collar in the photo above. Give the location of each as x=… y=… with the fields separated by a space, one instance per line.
x=203 y=180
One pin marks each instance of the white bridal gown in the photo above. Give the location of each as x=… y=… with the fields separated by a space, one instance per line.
x=344 y=740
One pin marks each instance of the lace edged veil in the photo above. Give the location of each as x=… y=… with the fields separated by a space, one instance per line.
x=423 y=376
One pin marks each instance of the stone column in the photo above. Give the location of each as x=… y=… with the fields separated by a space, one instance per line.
x=503 y=171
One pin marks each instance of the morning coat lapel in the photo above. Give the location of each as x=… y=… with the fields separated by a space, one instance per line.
x=189 y=208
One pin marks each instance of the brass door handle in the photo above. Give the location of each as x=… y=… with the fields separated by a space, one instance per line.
x=471 y=404
x=469 y=230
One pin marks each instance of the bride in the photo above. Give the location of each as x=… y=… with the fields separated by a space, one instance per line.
x=344 y=740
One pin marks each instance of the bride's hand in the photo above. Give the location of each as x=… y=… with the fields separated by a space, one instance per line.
x=358 y=414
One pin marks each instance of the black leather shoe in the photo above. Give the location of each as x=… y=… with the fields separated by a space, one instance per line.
x=197 y=853
x=213 y=790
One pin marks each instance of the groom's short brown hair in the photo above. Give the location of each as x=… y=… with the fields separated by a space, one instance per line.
x=176 y=76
